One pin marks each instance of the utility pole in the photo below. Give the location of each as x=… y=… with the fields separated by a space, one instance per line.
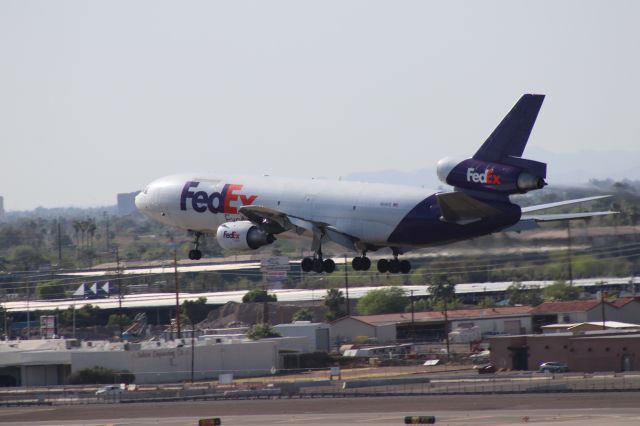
x=28 y=313
x=603 y=294
x=175 y=275
x=193 y=333
x=106 y=234
x=413 y=330
x=119 y=278
x=569 y=252
x=73 y=321
x=446 y=330
x=59 y=245
x=346 y=284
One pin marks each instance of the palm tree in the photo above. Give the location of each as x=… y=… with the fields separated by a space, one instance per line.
x=444 y=291
x=333 y=301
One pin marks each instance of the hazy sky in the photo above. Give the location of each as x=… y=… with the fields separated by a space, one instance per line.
x=100 y=97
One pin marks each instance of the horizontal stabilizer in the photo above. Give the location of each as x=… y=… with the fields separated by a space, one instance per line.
x=461 y=208
x=563 y=216
x=561 y=203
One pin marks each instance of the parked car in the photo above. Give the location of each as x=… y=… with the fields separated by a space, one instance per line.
x=487 y=369
x=553 y=367
x=109 y=391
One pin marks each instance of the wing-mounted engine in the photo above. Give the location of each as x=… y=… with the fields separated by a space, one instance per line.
x=242 y=235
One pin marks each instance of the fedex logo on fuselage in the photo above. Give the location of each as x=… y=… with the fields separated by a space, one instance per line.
x=225 y=201
x=489 y=176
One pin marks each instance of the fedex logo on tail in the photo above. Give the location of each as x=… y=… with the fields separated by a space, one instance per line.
x=225 y=201
x=489 y=177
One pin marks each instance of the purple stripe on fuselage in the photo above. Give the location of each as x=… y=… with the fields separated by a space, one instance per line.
x=422 y=225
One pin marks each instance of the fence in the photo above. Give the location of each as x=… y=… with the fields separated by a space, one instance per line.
x=525 y=382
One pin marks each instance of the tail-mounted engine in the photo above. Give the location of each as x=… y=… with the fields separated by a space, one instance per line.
x=474 y=174
x=242 y=235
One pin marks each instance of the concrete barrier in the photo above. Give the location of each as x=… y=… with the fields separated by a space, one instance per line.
x=364 y=383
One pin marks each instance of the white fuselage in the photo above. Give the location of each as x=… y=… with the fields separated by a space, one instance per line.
x=370 y=212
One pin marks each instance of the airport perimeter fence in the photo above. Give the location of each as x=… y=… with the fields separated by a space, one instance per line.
x=523 y=383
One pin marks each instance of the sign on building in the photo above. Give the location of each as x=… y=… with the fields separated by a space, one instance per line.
x=275 y=270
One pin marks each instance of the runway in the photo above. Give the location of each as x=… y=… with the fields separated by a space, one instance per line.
x=547 y=409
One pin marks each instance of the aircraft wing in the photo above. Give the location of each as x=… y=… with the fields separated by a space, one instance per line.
x=276 y=222
x=460 y=208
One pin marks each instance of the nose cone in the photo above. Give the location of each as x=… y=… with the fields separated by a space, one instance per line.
x=141 y=201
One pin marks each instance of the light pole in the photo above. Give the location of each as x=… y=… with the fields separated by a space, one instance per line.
x=346 y=284
x=175 y=275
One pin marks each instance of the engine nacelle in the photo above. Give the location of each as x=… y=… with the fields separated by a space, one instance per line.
x=242 y=235
x=489 y=176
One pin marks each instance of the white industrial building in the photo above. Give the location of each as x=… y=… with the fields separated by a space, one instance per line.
x=50 y=362
x=317 y=334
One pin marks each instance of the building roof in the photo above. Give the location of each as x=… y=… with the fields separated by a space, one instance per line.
x=565 y=307
x=607 y=324
x=437 y=316
x=622 y=301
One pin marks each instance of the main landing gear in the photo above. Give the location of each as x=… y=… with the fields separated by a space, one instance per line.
x=196 y=254
x=394 y=265
x=361 y=263
x=317 y=264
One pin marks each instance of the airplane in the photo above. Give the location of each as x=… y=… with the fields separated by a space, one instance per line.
x=249 y=212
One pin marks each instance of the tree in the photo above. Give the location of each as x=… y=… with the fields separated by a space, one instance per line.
x=303 y=314
x=383 y=301
x=334 y=300
x=262 y=331
x=560 y=290
x=118 y=320
x=196 y=311
x=443 y=291
x=487 y=302
x=258 y=295
x=24 y=258
x=51 y=290
x=520 y=295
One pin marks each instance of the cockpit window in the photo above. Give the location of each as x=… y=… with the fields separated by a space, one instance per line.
x=146 y=189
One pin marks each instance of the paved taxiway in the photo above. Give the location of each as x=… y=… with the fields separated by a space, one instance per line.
x=548 y=409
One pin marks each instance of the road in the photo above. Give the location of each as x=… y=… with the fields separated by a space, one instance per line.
x=548 y=409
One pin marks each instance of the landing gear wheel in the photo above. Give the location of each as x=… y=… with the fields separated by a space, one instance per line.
x=366 y=263
x=383 y=266
x=405 y=266
x=356 y=263
x=394 y=266
x=328 y=266
x=195 y=254
x=318 y=266
x=307 y=264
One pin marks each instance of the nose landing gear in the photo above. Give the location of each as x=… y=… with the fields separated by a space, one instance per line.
x=196 y=254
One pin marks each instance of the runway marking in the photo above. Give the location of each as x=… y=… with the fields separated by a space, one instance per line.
x=306 y=419
x=376 y=419
x=10 y=412
x=455 y=419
